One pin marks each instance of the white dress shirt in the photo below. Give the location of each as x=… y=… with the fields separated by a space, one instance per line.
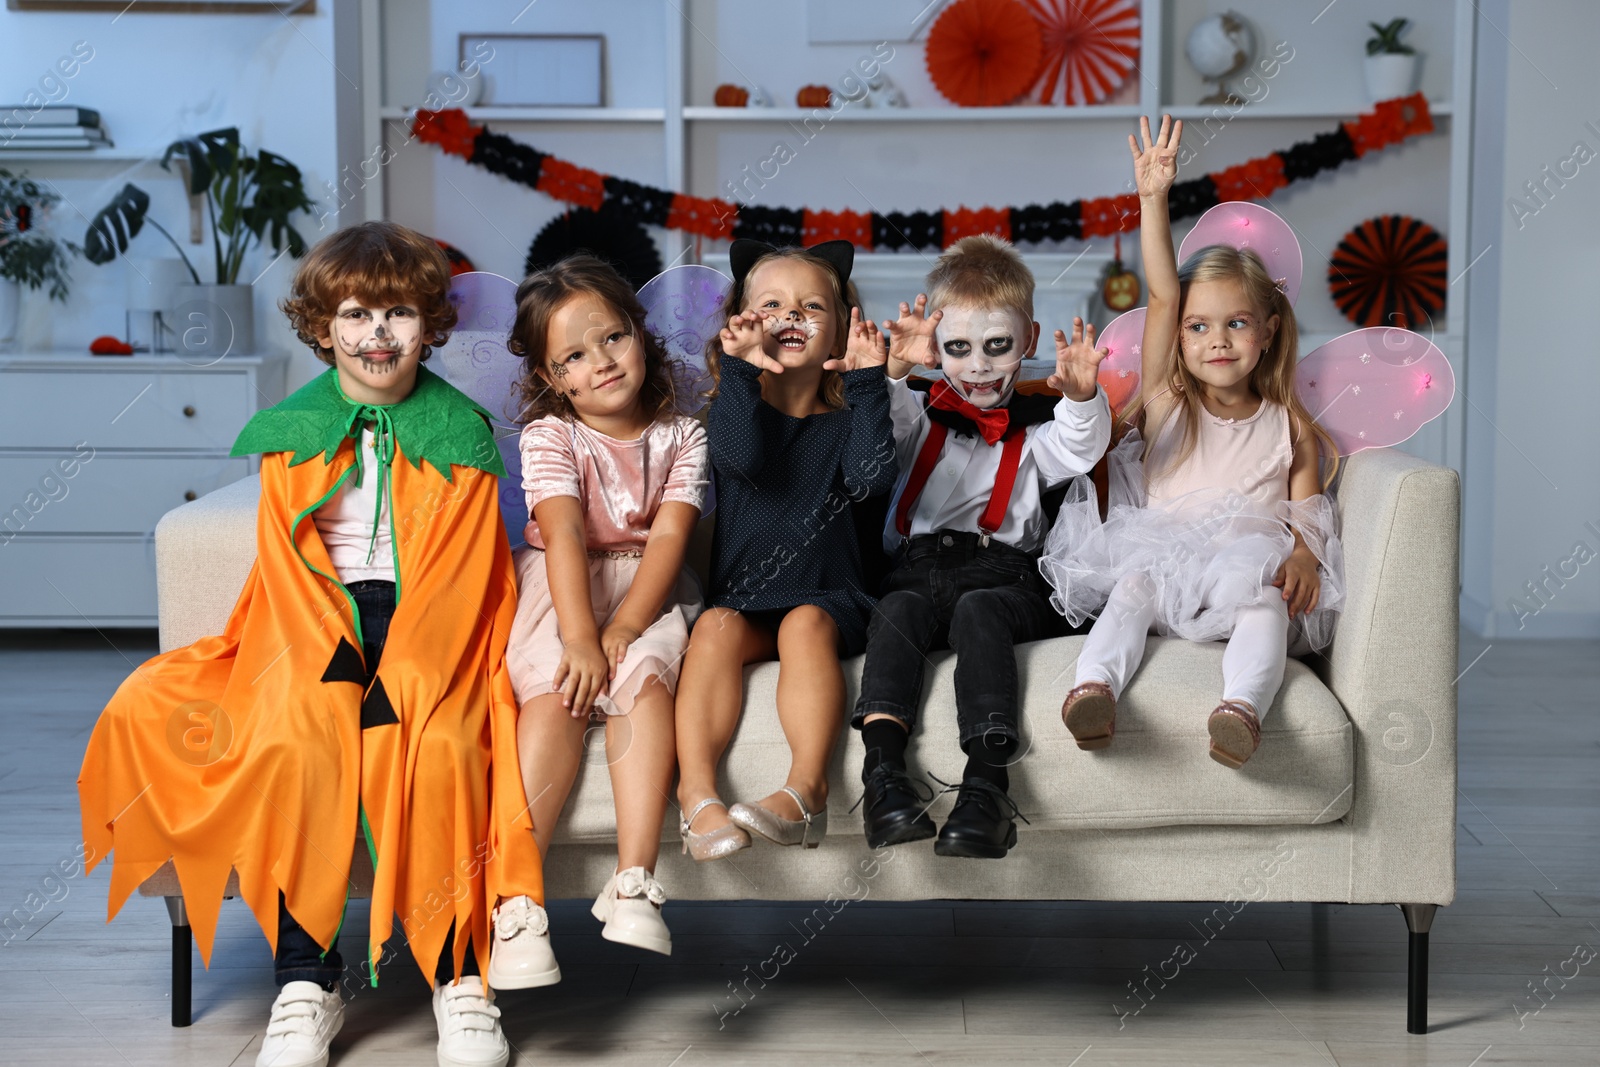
x=958 y=488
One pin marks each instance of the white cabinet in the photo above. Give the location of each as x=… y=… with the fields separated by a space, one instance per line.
x=93 y=451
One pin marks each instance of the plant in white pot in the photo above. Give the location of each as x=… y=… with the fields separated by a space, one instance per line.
x=249 y=198
x=1391 y=65
x=29 y=255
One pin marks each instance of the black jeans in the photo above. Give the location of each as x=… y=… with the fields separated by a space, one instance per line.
x=299 y=958
x=950 y=591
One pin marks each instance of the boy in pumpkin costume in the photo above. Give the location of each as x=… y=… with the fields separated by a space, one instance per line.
x=359 y=684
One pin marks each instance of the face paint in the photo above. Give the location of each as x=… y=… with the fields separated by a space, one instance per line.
x=376 y=348
x=981 y=351
x=798 y=297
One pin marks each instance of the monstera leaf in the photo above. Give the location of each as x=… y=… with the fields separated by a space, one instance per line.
x=116 y=225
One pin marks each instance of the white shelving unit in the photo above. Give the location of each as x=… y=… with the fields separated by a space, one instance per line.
x=684 y=144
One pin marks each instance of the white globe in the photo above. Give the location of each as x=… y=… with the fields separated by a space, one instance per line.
x=1220 y=45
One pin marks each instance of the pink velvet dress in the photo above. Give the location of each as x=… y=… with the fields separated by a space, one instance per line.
x=620 y=485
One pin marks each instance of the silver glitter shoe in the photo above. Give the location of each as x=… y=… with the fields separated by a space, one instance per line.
x=807 y=831
x=714 y=844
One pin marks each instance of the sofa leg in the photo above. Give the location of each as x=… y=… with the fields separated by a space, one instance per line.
x=182 y=960
x=1419 y=919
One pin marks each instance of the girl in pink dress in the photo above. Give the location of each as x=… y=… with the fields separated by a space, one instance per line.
x=615 y=482
x=1219 y=527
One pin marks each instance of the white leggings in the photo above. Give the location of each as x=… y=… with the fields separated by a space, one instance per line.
x=1252 y=665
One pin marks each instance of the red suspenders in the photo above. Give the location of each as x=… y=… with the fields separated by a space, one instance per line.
x=999 y=499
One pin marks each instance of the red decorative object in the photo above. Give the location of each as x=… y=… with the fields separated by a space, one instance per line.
x=729 y=95
x=984 y=53
x=966 y=221
x=1390 y=271
x=572 y=183
x=1089 y=48
x=1108 y=215
x=450 y=130
x=852 y=226
x=813 y=96
x=1254 y=180
x=706 y=217
x=107 y=345
x=1390 y=122
x=459 y=263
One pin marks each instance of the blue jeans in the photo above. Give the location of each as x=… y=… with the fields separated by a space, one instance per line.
x=299 y=958
x=980 y=600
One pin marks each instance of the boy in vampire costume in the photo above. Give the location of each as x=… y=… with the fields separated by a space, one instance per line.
x=966 y=522
x=360 y=683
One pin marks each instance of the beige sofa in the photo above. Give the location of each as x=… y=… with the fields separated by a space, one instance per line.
x=1351 y=797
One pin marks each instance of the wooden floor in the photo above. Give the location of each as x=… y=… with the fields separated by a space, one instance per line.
x=886 y=984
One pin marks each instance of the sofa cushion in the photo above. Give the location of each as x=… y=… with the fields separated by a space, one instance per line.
x=1156 y=773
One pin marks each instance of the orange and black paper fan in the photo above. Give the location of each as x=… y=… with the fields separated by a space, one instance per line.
x=1390 y=271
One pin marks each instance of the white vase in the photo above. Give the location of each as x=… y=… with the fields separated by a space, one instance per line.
x=10 y=311
x=213 y=321
x=1390 y=74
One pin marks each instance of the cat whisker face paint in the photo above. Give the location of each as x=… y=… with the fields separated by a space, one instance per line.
x=981 y=351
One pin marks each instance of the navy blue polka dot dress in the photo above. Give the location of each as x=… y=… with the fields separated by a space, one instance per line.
x=785 y=488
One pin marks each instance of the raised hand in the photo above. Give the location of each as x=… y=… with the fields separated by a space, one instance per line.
x=1155 y=167
x=911 y=337
x=863 y=346
x=1077 y=362
x=742 y=339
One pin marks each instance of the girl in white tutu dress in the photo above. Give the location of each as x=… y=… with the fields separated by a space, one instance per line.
x=1216 y=525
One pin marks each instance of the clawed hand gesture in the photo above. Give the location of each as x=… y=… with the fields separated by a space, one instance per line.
x=863 y=346
x=1155 y=168
x=1077 y=362
x=911 y=337
x=742 y=339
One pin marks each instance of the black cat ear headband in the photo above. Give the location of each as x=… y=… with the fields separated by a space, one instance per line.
x=743 y=254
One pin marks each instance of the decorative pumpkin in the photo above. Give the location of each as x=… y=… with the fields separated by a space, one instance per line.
x=984 y=53
x=813 y=96
x=1119 y=287
x=1390 y=271
x=106 y=345
x=730 y=95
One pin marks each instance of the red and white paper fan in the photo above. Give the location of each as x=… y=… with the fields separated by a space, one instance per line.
x=1090 y=48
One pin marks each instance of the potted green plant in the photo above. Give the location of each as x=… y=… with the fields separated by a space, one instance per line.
x=28 y=254
x=250 y=199
x=1391 y=65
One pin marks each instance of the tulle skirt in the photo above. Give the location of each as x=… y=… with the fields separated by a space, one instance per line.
x=1206 y=554
x=534 y=650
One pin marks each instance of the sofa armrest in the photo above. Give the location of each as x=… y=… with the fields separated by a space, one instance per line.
x=204 y=552
x=1393 y=667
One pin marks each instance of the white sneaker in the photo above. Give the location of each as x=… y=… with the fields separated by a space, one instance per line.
x=630 y=906
x=304 y=1019
x=520 y=957
x=469 y=1026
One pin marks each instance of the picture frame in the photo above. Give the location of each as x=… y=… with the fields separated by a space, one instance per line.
x=183 y=7
x=538 y=69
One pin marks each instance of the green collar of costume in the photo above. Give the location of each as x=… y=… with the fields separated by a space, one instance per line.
x=436 y=422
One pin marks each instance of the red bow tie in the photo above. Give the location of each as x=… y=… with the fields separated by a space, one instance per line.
x=991 y=422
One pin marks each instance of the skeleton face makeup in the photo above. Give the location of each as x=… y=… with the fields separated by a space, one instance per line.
x=376 y=350
x=982 y=349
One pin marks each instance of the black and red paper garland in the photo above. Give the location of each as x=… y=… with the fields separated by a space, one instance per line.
x=1389 y=122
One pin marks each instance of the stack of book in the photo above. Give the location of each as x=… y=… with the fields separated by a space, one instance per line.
x=49 y=129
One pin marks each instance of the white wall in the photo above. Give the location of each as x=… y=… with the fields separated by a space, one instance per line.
x=155 y=78
x=1533 y=438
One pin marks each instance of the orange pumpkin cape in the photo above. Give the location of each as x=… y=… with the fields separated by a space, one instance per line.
x=264 y=749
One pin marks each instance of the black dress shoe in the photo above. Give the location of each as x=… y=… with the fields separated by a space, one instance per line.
x=896 y=811
x=981 y=826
